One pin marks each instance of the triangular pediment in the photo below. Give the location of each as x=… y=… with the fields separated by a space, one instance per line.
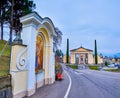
x=81 y=49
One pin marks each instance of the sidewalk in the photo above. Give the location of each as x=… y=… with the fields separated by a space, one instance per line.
x=55 y=90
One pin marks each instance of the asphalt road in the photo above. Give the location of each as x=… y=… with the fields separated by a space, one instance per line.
x=84 y=84
x=55 y=90
x=93 y=84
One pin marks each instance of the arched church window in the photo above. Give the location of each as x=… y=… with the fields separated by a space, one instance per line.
x=76 y=58
x=39 y=53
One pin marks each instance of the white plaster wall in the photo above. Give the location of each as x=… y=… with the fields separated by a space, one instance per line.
x=19 y=77
x=29 y=38
x=52 y=60
x=40 y=76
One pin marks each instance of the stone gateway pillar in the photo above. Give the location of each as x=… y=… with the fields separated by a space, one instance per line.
x=32 y=64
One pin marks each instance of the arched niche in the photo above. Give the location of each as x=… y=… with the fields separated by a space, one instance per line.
x=40 y=43
x=44 y=35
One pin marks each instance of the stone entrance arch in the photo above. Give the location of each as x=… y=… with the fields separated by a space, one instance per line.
x=37 y=36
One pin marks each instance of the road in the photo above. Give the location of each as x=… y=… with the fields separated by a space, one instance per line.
x=84 y=84
x=93 y=84
x=55 y=90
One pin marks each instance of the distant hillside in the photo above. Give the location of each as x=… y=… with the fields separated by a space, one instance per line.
x=112 y=55
x=7 y=49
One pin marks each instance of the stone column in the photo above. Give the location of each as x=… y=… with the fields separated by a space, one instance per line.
x=47 y=64
x=72 y=58
x=29 y=38
x=52 y=63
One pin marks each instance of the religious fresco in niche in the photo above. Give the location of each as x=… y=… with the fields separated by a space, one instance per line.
x=39 y=53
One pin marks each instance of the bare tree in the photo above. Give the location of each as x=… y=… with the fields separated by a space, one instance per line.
x=57 y=39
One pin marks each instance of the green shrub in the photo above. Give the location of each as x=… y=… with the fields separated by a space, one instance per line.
x=93 y=67
x=72 y=66
x=58 y=68
x=113 y=70
x=107 y=63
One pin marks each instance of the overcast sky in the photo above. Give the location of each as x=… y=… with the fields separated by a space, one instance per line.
x=83 y=21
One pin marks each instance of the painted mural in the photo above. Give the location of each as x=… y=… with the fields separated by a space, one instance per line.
x=39 y=53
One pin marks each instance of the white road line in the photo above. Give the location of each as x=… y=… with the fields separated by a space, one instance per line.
x=68 y=90
x=77 y=73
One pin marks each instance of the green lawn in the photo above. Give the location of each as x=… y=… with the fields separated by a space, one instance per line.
x=93 y=67
x=113 y=70
x=4 y=59
x=72 y=66
x=7 y=49
x=4 y=65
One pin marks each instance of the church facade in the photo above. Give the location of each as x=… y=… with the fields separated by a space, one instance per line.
x=82 y=55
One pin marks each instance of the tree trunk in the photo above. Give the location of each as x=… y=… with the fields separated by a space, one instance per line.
x=1 y=28
x=1 y=23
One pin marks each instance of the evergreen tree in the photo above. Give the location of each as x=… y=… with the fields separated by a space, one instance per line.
x=61 y=53
x=4 y=6
x=96 y=56
x=14 y=9
x=21 y=8
x=67 y=52
x=57 y=53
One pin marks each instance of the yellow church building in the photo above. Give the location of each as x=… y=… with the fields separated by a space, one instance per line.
x=82 y=55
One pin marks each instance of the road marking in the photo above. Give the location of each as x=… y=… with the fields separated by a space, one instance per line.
x=78 y=73
x=68 y=90
x=102 y=75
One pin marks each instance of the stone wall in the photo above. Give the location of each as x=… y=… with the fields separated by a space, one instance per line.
x=5 y=87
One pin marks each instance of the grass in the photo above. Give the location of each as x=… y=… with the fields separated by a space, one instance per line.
x=57 y=66
x=113 y=70
x=7 y=49
x=93 y=67
x=72 y=66
x=4 y=65
x=4 y=59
